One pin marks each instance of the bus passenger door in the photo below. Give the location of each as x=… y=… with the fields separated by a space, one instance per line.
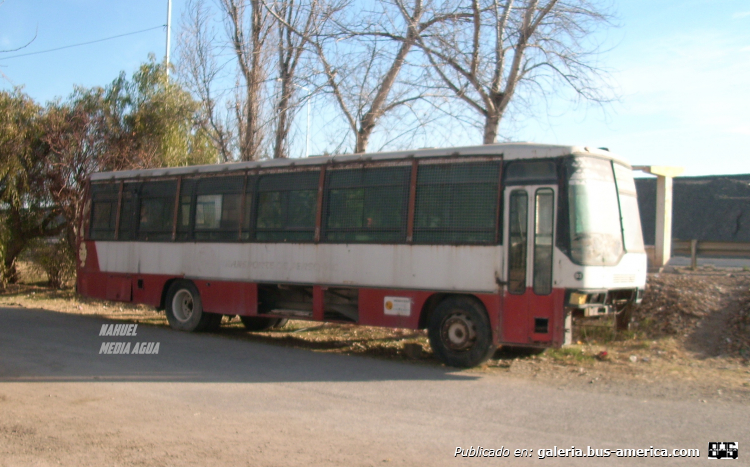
x=528 y=304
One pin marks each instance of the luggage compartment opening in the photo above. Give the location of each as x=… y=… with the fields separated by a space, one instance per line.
x=285 y=300
x=341 y=304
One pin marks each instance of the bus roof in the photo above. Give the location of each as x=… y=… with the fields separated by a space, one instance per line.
x=510 y=151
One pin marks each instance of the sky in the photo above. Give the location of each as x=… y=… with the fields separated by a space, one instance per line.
x=681 y=68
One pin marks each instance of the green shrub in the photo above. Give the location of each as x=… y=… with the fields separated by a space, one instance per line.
x=55 y=259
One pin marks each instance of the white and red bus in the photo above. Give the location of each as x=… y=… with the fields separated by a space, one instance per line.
x=482 y=246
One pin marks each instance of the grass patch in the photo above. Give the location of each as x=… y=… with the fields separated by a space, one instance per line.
x=640 y=345
x=569 y=354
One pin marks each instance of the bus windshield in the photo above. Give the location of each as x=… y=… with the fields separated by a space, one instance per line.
x=595 y=225
x=631 y=217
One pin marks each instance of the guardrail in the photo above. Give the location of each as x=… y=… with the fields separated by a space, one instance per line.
x=695 y=248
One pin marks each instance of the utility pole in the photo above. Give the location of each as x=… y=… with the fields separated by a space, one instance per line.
x=169 y=32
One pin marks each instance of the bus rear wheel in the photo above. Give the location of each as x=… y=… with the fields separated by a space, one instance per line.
x=185 y=309
x=460 y=332
x=260 y=323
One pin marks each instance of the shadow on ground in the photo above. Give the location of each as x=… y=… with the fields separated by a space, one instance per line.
x=45 y=346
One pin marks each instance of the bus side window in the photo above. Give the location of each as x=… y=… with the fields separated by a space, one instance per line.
x=184 y=211
x=156 y=210
x=287 y=204
x=367 y=205
x=248 y=212
x=217 y=208
x=456 y=203
x=103 y=211
x=127 y=211
x=543 y=229
x=518 y=241
x=530 y=172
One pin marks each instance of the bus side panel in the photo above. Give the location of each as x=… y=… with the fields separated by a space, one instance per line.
x=90 y=282
x=493 y=304
x=521 y=314
x=549 y=307
x=148 y=288
x=557 y=326
x=119 y=288
x=515 y=327
x=373 y=307
x=145 y=289
x=114 y=287
x=229 y=298
x=448 y=268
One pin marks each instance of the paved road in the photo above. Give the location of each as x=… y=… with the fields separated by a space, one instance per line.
x=210 y=400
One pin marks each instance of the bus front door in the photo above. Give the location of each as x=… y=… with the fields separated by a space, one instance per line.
x=529 y=316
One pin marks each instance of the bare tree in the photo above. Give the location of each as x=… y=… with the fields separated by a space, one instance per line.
x=297 y=23
x=386 y=61
x=365 y=82
x=358 y=57
x=252 y=33
x=199 y=68
x=249 y=26
x=362 y=59
x=501 y=47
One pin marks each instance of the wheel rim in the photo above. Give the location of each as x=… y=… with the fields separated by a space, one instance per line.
x=458 y=332
x=182 y=305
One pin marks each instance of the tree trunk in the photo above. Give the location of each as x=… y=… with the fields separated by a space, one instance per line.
x=491 y=124
x=9 y=272
x=248 y=152
x=250 y=59
x=363 y=139
x=279 y=149
x=17 y=240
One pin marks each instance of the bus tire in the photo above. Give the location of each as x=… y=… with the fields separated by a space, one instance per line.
x=260 y=323
x=184 y=308
x=460 y=332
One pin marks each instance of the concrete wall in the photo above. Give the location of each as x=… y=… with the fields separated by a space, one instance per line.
x=712 y=208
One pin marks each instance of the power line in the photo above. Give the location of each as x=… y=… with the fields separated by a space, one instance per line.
x=82 y=43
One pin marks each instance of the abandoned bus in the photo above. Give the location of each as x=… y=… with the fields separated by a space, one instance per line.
x=482 y=246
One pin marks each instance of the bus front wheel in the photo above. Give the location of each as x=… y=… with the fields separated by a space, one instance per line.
x=185 y=310
x=460 y=332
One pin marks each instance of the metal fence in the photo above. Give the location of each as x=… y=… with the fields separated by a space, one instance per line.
x=708 y=249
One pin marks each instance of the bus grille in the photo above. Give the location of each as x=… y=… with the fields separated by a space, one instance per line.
x=624 y=278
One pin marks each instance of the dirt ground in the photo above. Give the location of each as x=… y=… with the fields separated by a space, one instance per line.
x=690 y=339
